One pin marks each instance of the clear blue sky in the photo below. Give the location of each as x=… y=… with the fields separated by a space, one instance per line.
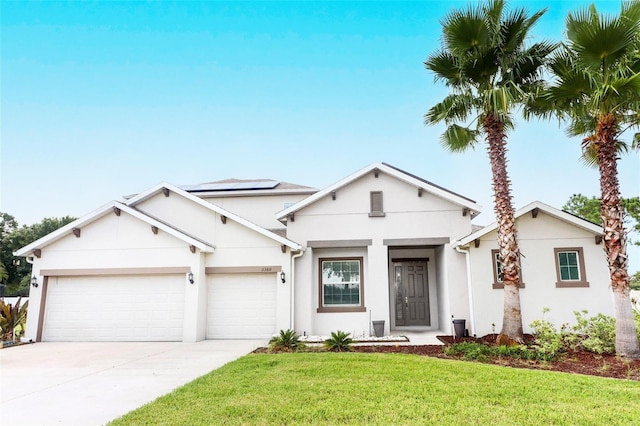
x=102 y=99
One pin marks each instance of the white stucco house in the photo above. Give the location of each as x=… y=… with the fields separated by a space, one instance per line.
x=244 y=259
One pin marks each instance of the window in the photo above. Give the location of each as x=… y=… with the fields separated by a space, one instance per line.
x=341 y=285
x=570 y=267
x=376 y=204
x=498 y=276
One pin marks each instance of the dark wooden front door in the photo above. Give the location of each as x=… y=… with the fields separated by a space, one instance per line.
x=411 y=293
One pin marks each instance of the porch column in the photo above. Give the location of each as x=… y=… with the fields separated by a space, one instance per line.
x=376 y=286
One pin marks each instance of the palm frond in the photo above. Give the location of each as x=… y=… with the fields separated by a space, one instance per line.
x=459 y=139
x=445 y=67
x=599 y=40
x=453 y=108
x=464 y=31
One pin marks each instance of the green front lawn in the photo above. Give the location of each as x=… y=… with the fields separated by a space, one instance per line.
x=357 y=388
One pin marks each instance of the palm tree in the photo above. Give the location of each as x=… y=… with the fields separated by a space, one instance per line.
x=491 y=71
x=596 y=88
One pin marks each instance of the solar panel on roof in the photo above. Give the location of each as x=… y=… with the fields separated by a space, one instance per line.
x=232 y=186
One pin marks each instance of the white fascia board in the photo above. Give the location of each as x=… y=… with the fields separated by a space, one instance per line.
x=146 y=194
x=156 y=189
x=61 y=232
x=97 y=214
x=474 y=207
x=552 y=211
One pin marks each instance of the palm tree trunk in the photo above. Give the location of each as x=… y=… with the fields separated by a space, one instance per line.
x=615 y=237
x=507 y=243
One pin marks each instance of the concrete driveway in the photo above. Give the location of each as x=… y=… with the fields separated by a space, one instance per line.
x=93 y=383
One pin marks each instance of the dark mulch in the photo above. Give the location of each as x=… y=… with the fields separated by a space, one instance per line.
x=578 y=362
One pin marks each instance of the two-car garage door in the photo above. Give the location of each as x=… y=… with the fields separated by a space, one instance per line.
x=151 y=307
x=115 y=308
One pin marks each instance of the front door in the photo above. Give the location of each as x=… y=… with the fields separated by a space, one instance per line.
x=411 y=293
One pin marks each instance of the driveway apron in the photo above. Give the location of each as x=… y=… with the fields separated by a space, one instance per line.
x=72 y=383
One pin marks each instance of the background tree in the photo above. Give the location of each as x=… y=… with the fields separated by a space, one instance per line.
x=634 y=281
x=589 y=208
x=596 y=88
x=490 y=71
x=12 y=238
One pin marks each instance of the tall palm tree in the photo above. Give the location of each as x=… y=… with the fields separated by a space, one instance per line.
x=596 y=88
x=490 y=70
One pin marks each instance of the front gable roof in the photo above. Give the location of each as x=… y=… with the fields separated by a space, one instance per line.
x=409 y=178
x=132 y=202
x=112 y=207
x=551 y=211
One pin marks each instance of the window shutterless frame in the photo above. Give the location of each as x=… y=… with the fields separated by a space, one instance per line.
x=498 y=278
x=334 y=290
x=570 y=269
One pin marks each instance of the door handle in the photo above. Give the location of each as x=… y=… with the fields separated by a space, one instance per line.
x=406 y=301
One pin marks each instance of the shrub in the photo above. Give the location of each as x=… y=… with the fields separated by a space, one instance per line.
x=339 y=342
x=470 y=351
x=287 y=340
x=636 y=318
x=548 y=342
x=473 y=351
x=596 y=334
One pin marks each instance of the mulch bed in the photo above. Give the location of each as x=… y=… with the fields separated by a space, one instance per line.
x=577 y=362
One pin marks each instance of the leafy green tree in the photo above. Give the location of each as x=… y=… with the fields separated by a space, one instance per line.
x=12 y=238
x=490 y=71
x=596 y=88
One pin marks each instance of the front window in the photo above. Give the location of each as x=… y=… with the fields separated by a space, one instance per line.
x=341 y=286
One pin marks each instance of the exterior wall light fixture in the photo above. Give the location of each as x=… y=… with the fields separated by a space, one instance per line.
x=282 y=277
x=190 y=277
x=34 y=281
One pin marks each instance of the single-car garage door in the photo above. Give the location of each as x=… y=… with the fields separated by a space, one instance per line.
x=114 y=308
x=241 y=306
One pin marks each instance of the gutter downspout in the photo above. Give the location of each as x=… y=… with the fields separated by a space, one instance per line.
x=292 y=292
x=469 y=287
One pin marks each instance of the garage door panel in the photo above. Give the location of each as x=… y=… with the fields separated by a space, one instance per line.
x=241 y=306
x=115 y=308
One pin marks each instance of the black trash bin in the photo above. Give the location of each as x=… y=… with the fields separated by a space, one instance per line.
x=378 y=328
x=459 y=326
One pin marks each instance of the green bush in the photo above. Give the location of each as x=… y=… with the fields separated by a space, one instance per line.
x=286 y=341
x=548 y=342
x=596 y=334
x=473 y=351
x=339 y=342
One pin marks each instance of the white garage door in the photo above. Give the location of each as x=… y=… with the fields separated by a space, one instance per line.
x=114 y=308
x=241 y=306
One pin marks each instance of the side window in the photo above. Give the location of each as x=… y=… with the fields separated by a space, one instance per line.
x=498 y=276
x=570 y=270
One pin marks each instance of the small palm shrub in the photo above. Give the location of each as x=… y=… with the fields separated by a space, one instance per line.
x=339 y=342
x=286 y=341
x=13 y=319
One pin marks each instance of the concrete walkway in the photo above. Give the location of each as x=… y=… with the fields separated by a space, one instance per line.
x=93 y=383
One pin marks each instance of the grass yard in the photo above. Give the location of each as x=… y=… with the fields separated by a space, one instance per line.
x=385 y=389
